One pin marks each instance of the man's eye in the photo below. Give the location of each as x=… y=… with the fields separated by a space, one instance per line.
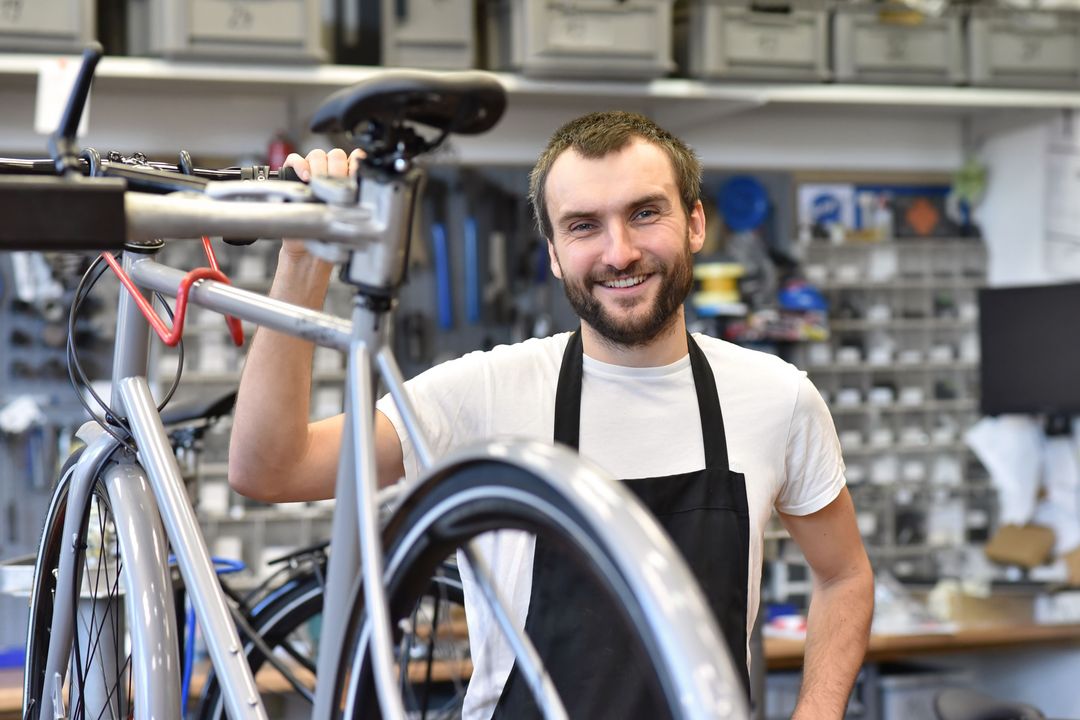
x=581 y=227
x=645 y=214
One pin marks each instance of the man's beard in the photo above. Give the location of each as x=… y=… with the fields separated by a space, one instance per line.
x=676 y=282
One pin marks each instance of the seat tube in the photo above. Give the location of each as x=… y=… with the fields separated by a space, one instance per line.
x=131 y=351
x=356 y=483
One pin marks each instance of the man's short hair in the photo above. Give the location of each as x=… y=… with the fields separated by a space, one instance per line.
x=595 y=135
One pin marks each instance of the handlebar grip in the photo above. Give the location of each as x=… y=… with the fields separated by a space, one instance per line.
x=287 y=173
x=51 y=213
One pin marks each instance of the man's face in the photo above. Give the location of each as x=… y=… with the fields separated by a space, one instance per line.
x=621 y=241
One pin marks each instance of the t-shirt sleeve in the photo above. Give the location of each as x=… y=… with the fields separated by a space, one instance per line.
x=815 y=466
x=450 y=403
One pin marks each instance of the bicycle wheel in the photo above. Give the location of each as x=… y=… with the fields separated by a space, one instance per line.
x=471 y=497
x=100 y=677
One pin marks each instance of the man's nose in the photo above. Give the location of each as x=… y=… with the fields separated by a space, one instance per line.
x=620 y=251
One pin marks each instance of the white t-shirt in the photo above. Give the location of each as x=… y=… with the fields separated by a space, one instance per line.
x=635 y=423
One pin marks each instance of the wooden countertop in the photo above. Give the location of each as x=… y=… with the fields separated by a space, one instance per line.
x=782 y=653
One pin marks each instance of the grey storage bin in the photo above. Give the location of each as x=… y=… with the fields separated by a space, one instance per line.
x=762 y=40
x=1023 y=49
x=263 y=30
x=893 y=44
x=906 y=691
x=430 y=34
x=782 y=694
x=619 y=39
x=57 y=26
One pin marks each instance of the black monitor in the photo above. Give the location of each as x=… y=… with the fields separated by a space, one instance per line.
x=1030 y=350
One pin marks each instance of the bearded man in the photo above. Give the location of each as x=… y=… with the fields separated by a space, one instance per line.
x=712 y=437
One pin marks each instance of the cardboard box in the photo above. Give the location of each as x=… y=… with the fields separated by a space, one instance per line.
x=1025 y=545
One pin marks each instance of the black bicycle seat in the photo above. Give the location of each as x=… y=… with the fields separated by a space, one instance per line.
x=963 y=704
x=204 y=408
x=466 y=103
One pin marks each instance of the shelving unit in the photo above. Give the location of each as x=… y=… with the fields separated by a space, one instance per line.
x=907 y=328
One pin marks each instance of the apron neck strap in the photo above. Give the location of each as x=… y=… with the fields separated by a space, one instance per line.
x=568 y=401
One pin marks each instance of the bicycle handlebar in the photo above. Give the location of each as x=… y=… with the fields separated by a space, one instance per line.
x=44 y=212
x=112 y=168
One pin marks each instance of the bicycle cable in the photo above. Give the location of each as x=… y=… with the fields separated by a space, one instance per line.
x=77 y=374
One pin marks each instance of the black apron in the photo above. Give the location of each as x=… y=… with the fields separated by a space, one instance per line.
x=598 y=670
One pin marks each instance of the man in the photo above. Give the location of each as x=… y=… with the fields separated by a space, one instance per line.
x=681 y=418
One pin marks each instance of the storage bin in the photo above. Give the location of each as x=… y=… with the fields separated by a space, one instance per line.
x=894 y=44
x=262 y=30
x=782 y=693
x=618 y=39
x=1023 y=49
x=906 y=691
x=430 y=34
x=763 y=40
x=55 y=26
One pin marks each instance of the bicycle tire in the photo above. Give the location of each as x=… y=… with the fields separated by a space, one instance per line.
x=476 y=496
x=39 y=619
x=96 y=544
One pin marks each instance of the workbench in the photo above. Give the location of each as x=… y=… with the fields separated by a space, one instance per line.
x=787 y=654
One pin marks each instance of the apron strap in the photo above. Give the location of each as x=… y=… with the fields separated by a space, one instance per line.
x=568 y=401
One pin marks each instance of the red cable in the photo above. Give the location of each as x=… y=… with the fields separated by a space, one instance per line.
x=172 y=336
x=235 y=329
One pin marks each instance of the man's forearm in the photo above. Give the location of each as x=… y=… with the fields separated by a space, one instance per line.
x=838 y=630
x=272 y=409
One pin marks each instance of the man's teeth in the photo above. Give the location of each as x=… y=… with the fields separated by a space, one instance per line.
x=625 y=282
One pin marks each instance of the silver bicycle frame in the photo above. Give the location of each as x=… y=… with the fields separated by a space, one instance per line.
x=377 y=230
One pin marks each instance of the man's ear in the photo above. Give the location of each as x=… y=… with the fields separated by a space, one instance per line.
x=556 y=269
x=696 y=227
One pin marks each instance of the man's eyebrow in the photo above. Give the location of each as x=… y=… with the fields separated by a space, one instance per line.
x=567 y=216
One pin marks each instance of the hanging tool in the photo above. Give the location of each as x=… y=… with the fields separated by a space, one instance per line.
x=444 y=297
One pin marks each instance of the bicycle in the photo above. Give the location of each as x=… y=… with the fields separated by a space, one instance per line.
x=123 y=507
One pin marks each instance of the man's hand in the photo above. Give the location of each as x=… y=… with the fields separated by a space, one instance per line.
x=317 y=164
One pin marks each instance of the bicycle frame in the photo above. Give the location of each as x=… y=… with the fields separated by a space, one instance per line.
x=377 y=228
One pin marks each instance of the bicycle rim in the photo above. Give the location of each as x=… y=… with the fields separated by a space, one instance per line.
x=475 y=499
x=99 y=673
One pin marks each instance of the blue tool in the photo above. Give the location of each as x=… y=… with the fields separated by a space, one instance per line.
x=472 y=273
x=443 y=296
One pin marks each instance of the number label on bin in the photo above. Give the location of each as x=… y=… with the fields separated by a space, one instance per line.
x=261 y=20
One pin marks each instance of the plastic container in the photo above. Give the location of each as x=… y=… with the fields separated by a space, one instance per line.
x=1023 y=49
x=257 y=30
x=763 y=40
x=891 y=43
x=906 y=691
x=54 y=26
x=618 y=39
x=430 y=34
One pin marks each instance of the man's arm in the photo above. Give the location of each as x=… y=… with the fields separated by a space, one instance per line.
x=841 y=606
x=275 y=454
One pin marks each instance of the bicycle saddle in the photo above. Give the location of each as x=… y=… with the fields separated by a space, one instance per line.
x=962 y=704
x=467 y=103
x=199 y=409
